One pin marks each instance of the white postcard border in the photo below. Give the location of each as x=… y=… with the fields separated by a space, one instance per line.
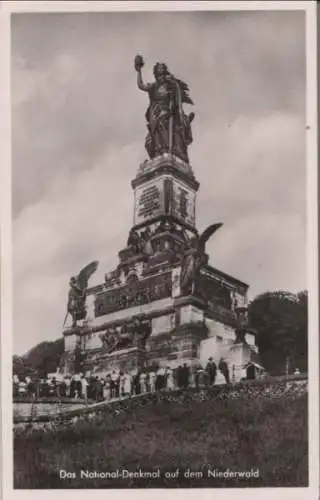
x=6 y=245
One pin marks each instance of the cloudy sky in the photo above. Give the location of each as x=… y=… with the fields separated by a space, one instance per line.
x=78 y=138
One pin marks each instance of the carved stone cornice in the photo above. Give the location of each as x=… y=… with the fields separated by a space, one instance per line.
x=168 y=217
x=165 y=164
x=197 y=328
x=221 y=277
x=191 y=300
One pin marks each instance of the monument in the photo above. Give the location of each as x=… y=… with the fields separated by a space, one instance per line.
x=164 y=304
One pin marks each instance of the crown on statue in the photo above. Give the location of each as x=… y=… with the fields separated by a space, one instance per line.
x=138 y=62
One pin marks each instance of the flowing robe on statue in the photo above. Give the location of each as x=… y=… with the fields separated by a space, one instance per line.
x=169 y=128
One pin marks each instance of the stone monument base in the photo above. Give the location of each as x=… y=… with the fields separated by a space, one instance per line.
x=238 y=357
x=179 y=346
x=126 y=360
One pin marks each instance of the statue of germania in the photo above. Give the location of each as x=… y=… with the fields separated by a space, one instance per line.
x=169 y=128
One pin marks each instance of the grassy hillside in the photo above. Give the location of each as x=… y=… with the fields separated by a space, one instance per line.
x=235 y=434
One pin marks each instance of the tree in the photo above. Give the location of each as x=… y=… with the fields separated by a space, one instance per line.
x=280 y=319
x=42 y=359
x=22 y=368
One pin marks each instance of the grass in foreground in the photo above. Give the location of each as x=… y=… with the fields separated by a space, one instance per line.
x=239 y=435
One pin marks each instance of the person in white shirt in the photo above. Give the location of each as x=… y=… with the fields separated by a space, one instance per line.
x=127 y=384
x=107 y=388
x=67 y=381
x=152 y=381
x=22 y=388
x=84 y=387
x=121 y=384
x=169 y=379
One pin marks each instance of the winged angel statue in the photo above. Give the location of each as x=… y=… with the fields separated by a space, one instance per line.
x=77 y=293
x=193 y=259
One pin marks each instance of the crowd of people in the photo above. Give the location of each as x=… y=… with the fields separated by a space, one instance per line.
x=117 y=384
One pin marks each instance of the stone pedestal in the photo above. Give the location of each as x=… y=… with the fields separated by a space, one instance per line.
x=186 y=324
x=238 y=357
x=165 y=187
x=126 y=360
x=178 y=346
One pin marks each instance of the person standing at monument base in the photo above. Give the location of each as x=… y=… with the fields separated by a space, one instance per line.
x=84 y=387
x=121 y=384
x=143 y=382
x=169 y=379
x=152 y=381
x=223 y=367
x=185 y=372
x=211 y=370
x=114 y=384
x=127 y=384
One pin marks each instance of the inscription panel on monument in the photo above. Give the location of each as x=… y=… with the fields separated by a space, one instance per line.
x=183 y=202
x=149 y=201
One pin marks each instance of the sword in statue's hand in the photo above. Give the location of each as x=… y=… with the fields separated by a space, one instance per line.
x=171 y=128
x=65 y=319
